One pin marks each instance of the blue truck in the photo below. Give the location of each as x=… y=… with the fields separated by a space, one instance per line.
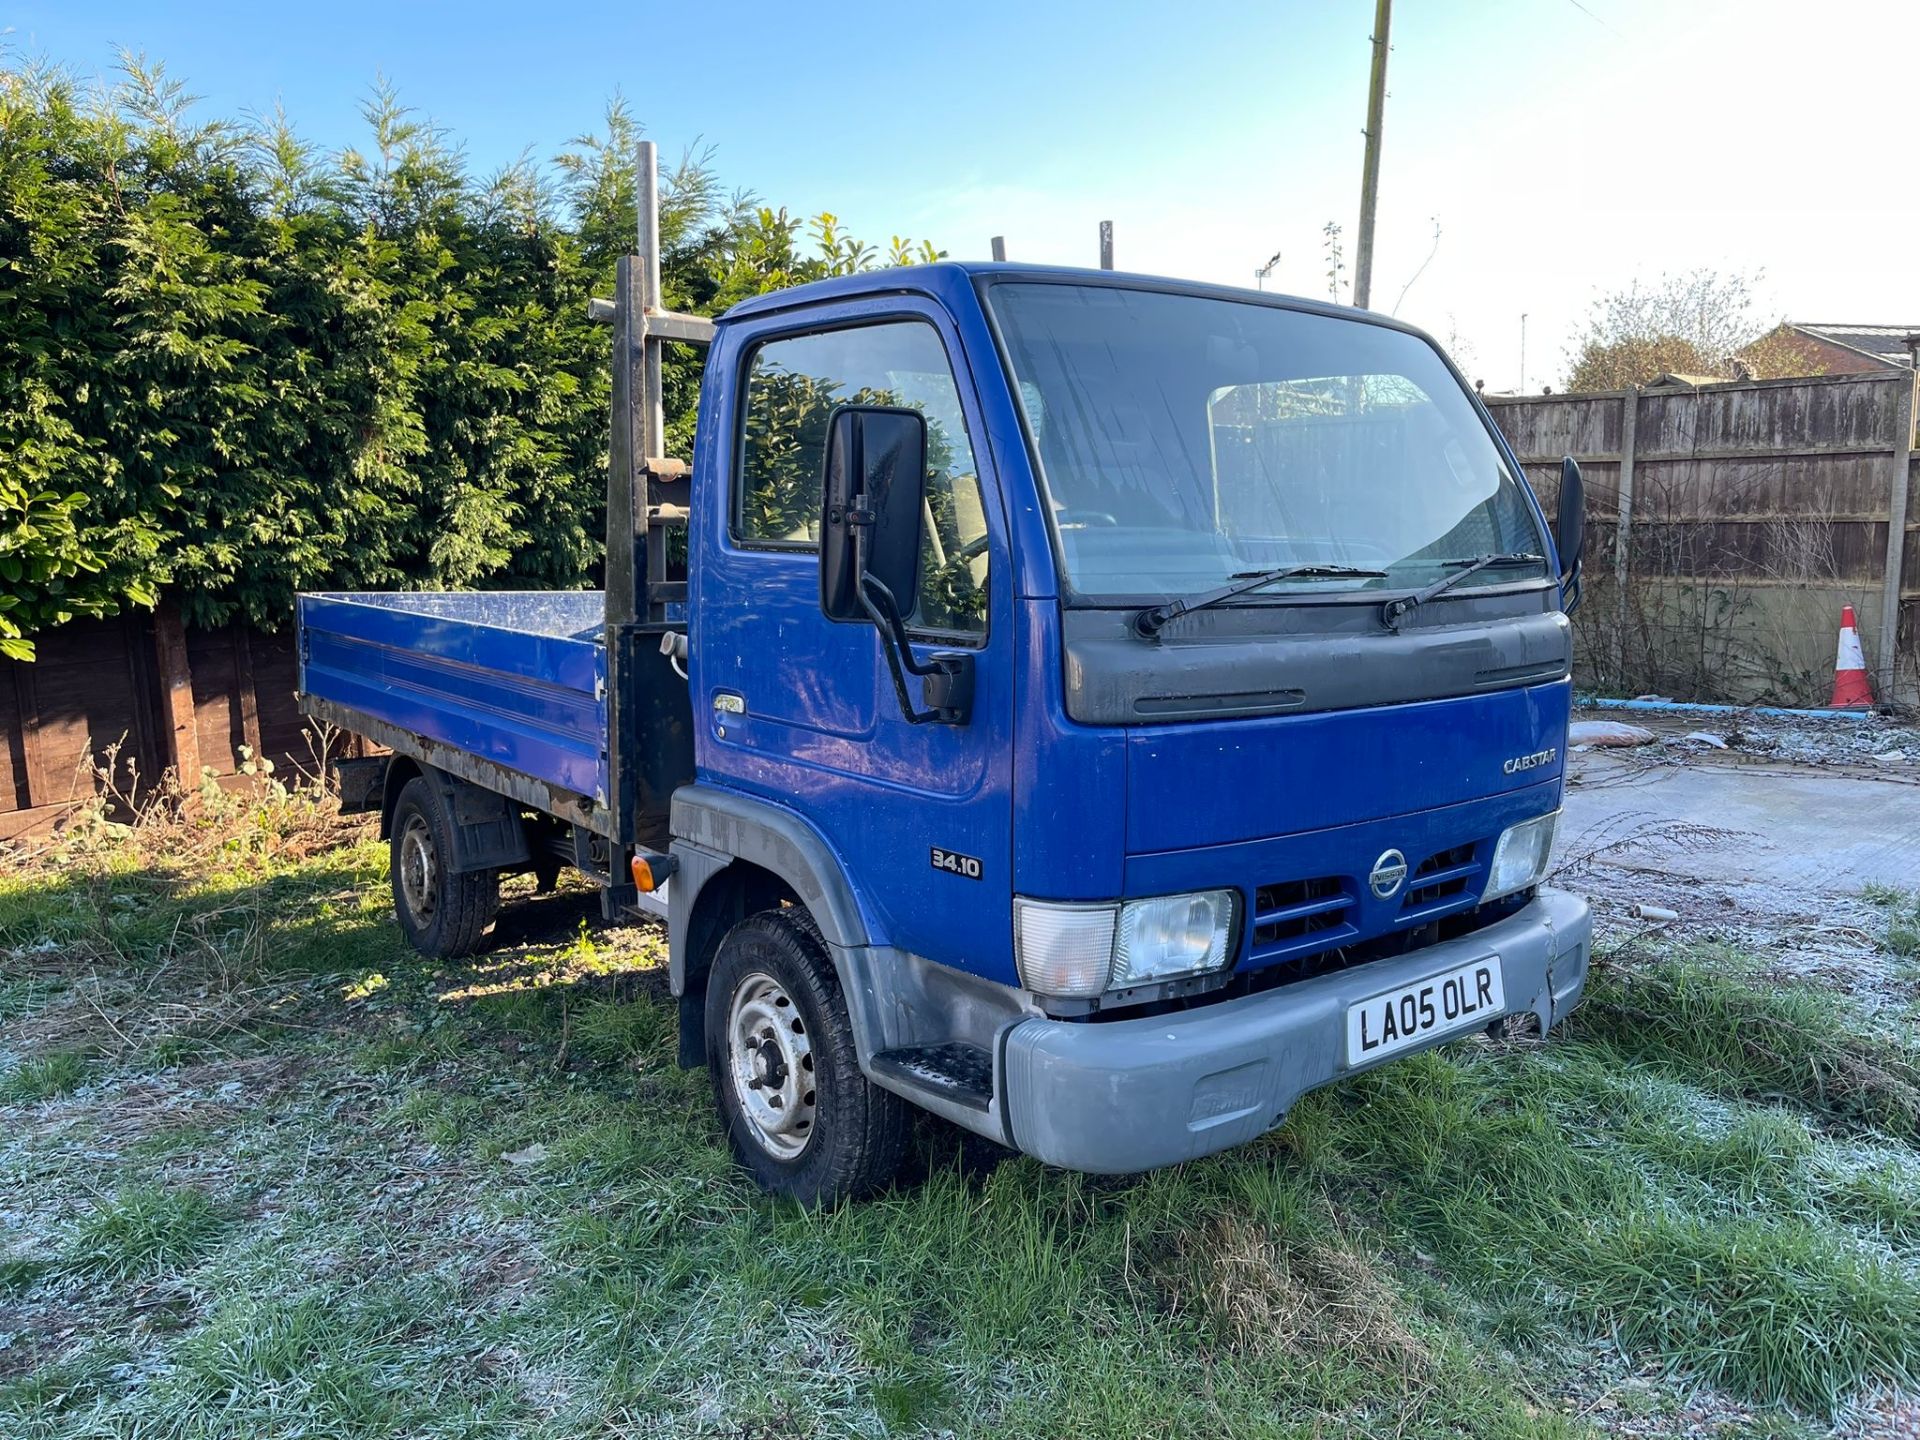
x=1091 y=708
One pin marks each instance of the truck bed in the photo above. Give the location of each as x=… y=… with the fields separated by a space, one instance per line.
x=507 y=688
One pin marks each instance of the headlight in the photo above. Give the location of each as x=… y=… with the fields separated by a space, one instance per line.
x=1172 y=935
x=1520 y=859
x=1080 y=951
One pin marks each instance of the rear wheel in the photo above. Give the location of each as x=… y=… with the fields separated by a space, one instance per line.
x=801 y=1117
x=444 y=914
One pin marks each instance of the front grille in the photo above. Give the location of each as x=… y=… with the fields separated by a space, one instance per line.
x=1298 y=919
x=1302 y=915
x=1442 y=877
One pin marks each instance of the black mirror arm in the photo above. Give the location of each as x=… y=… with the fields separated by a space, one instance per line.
x=948 y=674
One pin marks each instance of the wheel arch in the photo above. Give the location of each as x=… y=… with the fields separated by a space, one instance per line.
x=736 y=856
x=400 y=769
x=485 y=826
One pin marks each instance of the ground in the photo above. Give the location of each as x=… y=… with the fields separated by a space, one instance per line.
x=265 y=1172
x=1786 y=844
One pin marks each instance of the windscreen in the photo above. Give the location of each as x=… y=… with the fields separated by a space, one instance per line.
x=1186 y=441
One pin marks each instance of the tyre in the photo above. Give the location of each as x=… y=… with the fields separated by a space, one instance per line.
x=443 y=914
x=802 y=1119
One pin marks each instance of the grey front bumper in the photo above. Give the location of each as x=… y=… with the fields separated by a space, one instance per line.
x=1131 y=1095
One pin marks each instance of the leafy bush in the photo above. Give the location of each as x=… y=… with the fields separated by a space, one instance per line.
x=233 y=367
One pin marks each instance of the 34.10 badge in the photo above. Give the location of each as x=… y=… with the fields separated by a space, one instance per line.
x=952 y=862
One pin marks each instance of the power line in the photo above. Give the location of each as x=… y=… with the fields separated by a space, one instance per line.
x=1593 y=17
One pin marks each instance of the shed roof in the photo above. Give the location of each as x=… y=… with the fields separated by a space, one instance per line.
x=1674 y=380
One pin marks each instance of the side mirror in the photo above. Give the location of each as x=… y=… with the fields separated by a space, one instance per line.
x=876 y=474
x=873 y=499
x=1570 y=532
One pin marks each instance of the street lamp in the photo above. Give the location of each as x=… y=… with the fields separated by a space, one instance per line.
x=1260 y=275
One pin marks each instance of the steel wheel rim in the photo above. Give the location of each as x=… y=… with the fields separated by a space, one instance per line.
x=770 y=1062
x=419 y=868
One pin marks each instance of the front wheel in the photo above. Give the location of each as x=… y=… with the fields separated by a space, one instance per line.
x=801 y=1117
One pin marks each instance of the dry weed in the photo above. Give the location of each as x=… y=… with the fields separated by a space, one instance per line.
x=1262 y=1293
x=151 y=912
x=168 y=824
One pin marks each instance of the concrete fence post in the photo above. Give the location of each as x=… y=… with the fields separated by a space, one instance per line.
x=1897 y=504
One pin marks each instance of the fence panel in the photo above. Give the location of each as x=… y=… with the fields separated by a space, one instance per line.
x=104 y=685
x=1752 y=513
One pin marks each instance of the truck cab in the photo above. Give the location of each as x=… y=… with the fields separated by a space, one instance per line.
x=1112 y=707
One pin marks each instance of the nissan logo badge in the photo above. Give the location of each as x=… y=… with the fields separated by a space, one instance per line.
x=1387 y=873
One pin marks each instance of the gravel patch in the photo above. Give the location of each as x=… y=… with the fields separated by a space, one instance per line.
x=1871 y=741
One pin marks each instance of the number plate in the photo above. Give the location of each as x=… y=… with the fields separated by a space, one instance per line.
x=1453 y=1000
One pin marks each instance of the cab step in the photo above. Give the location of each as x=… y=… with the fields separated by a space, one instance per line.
x=955 y=1071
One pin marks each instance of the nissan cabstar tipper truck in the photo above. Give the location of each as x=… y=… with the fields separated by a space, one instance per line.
x=1094 y=709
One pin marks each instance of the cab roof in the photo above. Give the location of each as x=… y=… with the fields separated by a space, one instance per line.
x=947 y=279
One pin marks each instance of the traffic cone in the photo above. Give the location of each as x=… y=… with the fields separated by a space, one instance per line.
x=1850 y=688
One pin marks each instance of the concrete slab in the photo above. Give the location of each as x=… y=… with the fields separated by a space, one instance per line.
x=1804 y=829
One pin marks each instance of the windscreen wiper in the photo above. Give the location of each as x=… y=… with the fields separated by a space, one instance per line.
x=1397 y=609
x=1148 y=622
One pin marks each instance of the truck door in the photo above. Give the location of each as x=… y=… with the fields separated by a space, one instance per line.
x=801 y=710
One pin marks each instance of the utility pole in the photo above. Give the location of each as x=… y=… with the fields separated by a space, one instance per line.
x=999 y=244
x=1106 y=244
x=1370 y=167
x=1523 y=352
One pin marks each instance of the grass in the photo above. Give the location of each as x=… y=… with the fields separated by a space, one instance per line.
x=44 y=1077
x=1703 y=1017
x=1903 y=919
x=144 y=1230
x=1712 y=1253
x=268 y=1173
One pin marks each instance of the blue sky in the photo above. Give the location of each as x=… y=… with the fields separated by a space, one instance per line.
x=1563 y=148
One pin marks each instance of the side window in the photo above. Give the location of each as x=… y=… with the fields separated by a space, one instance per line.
x=794 y=384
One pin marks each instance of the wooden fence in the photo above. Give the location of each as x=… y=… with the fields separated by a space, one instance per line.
x=151 y=694
x=1730 y=523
